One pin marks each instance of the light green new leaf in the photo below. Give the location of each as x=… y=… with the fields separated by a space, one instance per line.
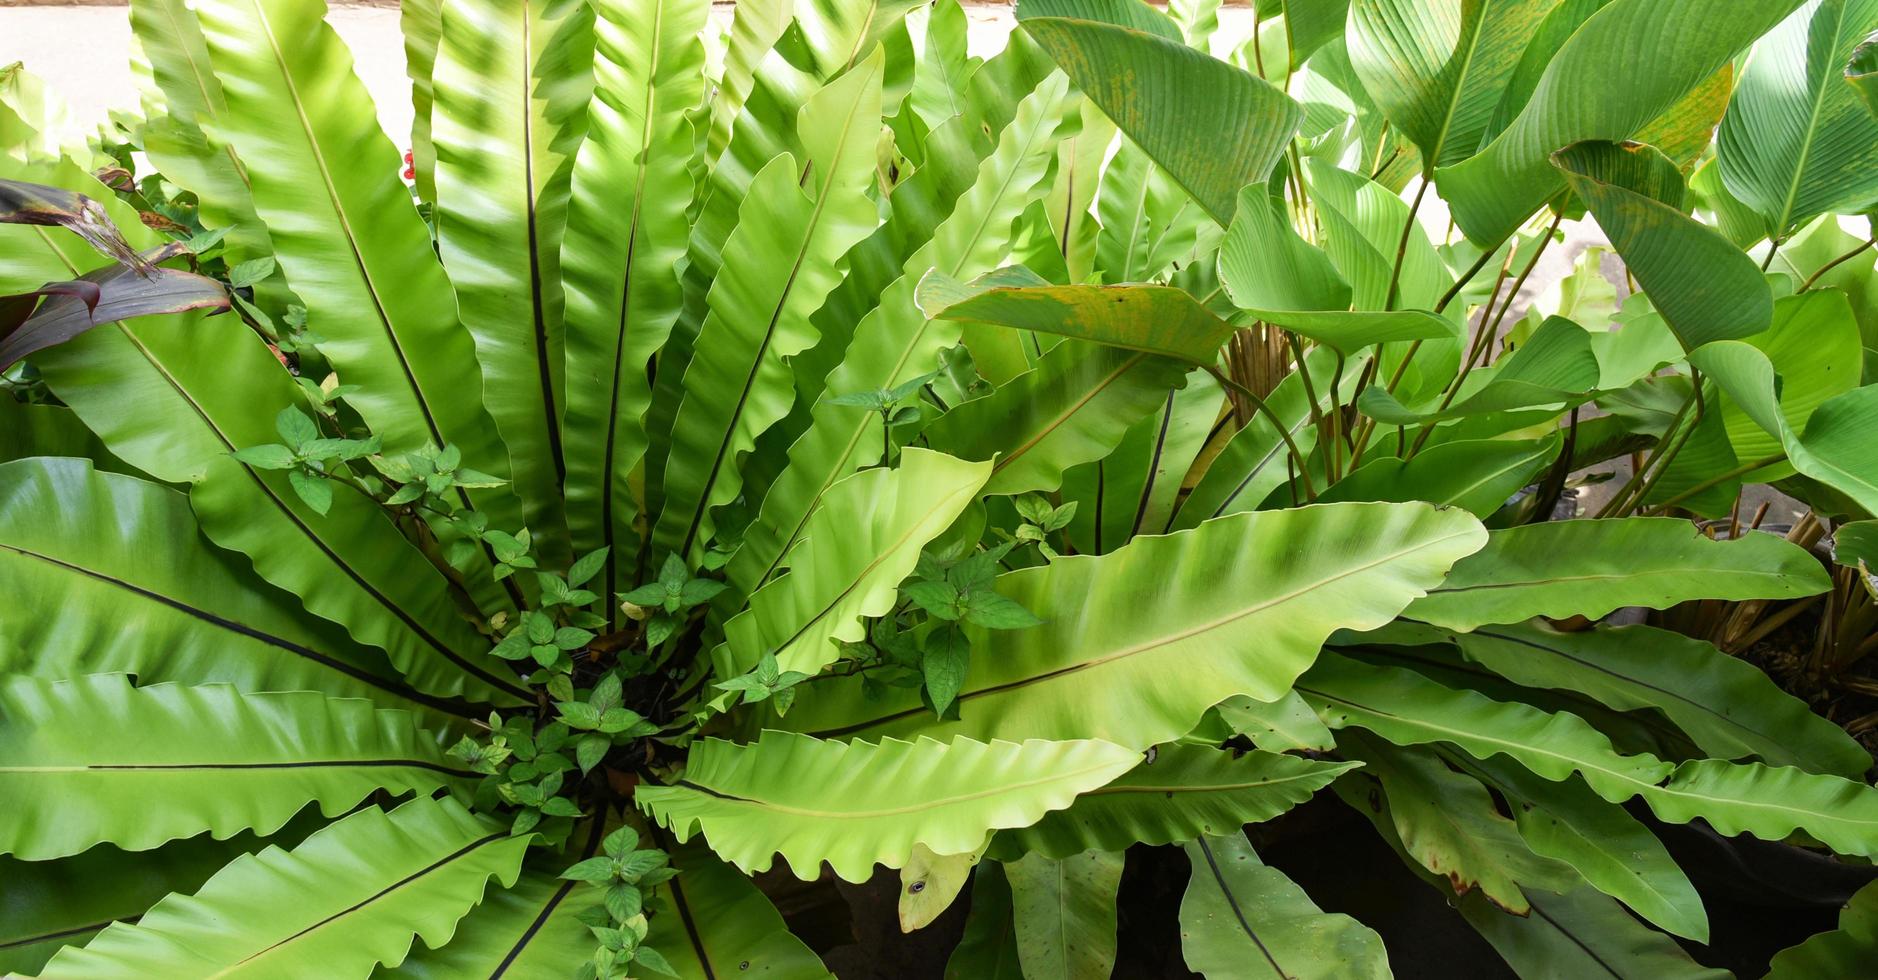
x=856 y=550
x=1556 y=366
x=1137 y=644
x=1623 y=67
x=201 y=758
x=510 y=89
x=1163 y=320
x=1728 y=707
x=325 y=180
x=1797 y=141
x=711 y=921
x=1705 y=287
x=350 y=897
x=779 y=265
x=857 y=804
x=1064 y=913
x=1447 y=822
x=1438 y=68
x=1184 y=793
x=1074 y=408
x=626 y=232
x=894 y=342
x=110 y=574
x=929 y=884
x=1834 y=448
x=1844 y=952
x=1614 y=851
x=1146 y=82
x=1561 y=569
x=1241 y=919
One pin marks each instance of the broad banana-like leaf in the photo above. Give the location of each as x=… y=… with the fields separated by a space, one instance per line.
x=988 y=950
x=857 y=804
x=104 y=296
x=1161 y=320
x=1861 y=72
x=622 y=290
x=1476 y=475
x=421 y=23
x=54 y=904
x=1843 y=952
x=325 y=180
x=1064 y=914
x=779 y=266
x=1813 y=347
x=1705 y=287
x=1265 y=264
x=1555 y=366
x=857 y=548
x=510 y=89
x=1797 y=141
x=1447 y=823
x=1438 y=68
x=1831 y=449
x=711 y=921
x=1184 y=793
x=1564 y=568
x=1130 y=650
x=350 y=897
x=1145 y=82
x=215 y=759
x=1074 y=408
x=1241 y=919
x=1610 y=848
x=1406 y=708
x=1582 y=934
x=110 y=574
x=1363 y=226
x=1728 y=707
x=894 y=343
x=1622 y=68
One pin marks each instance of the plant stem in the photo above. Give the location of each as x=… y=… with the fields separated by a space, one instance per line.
x=1835 y=263
x=1401 y=246
x=1284 y=431
x=1674 y=437
x=1714 y=481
